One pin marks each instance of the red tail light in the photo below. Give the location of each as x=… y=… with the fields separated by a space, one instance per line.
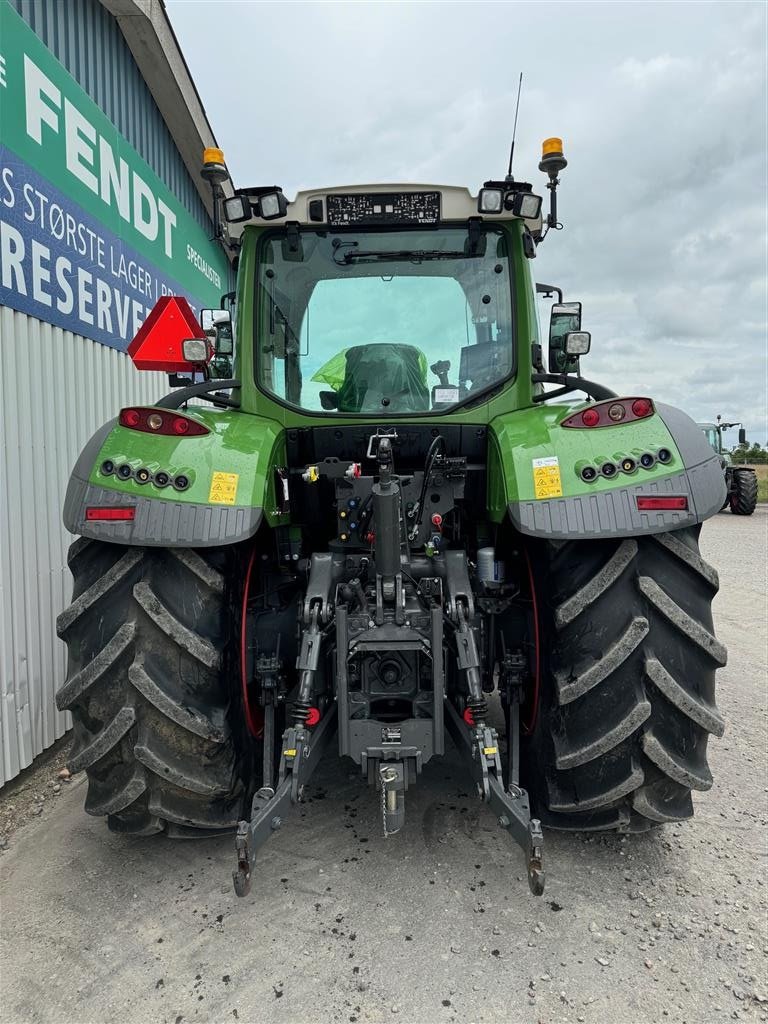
x=611 y=413
x=161 y=421
x=646 y=503
x=590 y=417
x=117 y=513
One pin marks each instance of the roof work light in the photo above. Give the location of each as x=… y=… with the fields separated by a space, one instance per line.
x=490 y=200
x=237 y=209
x=273 y=205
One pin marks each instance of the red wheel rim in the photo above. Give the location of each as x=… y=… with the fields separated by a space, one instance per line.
x=254 y=718
x=529 y=726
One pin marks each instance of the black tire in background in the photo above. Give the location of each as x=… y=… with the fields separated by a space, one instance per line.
x=149 y=640
x=627 y=691
x=743 y=497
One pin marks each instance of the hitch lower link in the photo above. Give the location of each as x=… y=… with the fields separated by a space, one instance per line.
x=301 y=753
x=480 y=747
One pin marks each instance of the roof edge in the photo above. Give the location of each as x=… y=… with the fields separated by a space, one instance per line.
x=150 y=37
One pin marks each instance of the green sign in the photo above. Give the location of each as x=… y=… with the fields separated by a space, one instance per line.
x=90 y=237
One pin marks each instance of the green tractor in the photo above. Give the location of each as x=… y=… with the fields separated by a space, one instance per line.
x=740 y=481
x=384 y=529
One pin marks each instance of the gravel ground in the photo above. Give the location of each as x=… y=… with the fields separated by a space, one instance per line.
x=435 y=925
x=25 y=796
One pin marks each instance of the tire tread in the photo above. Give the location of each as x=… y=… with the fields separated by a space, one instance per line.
x=628 y=700
x=147 y=691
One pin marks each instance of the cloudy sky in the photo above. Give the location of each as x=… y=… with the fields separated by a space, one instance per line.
x=662 y=108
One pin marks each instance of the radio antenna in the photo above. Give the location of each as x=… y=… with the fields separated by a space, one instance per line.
x=514 y=129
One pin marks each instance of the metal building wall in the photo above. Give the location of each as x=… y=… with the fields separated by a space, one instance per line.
x=56 y=389
x=88 y=42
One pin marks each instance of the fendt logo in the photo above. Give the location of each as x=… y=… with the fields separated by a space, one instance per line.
x=91 y=158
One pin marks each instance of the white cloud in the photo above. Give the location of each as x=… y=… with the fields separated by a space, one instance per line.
x=662 y=109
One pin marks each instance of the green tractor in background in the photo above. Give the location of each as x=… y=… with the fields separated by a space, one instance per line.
x=740 y=481
x=384 y=529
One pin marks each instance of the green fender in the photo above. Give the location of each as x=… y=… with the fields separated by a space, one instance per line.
x=231 y=472
x=535 y=465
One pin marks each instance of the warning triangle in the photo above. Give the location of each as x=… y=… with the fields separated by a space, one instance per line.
x=157 y=345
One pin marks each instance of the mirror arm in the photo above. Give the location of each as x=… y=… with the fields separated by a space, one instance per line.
x=597 y=391
x=203 y=390
x=547 y=289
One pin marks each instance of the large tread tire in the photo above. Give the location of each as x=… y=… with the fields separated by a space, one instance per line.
x=743 y=497
x=146 y=634
x=627 y=701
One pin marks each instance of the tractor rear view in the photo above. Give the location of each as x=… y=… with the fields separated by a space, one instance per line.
x=740 y=481
x=382 y=525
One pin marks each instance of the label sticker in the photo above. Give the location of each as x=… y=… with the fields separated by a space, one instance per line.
x=443 y=395
x=223 y=488
x=546 y=478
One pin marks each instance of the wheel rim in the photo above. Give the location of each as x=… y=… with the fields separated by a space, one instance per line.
x=254 y=715
x=530 y=724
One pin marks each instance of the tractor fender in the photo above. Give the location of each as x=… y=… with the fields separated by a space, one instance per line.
x=540 y=463
x=230 y=473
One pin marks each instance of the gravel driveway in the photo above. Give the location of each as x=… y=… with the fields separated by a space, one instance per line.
x=435 y=925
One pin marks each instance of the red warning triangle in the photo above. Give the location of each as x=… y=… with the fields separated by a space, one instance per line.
x=157 y=345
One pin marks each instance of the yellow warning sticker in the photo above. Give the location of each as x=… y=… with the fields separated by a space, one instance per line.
x=223 y=488
x=546 y=478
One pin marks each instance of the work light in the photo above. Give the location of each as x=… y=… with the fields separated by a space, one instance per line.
x=577 y=343
x=195 y=350
x=490 y=200
x=273 y=205
x=526 y=205
x=237 y=208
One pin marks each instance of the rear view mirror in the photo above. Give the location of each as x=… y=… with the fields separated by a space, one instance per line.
x=217 y=325
x=742 y=436
x=565 y=319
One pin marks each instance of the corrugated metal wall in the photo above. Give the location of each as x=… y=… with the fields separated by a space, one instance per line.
x=56 y=389
x=88 y=42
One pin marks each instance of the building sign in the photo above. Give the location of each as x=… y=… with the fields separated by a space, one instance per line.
x=90 y=237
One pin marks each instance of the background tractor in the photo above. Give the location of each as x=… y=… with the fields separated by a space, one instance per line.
x=384 y=529
x=740 y=481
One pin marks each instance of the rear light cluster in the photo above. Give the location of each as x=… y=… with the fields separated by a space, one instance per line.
x=161 y=421
x=142 y=475
x=611 y=413
x=609 y=468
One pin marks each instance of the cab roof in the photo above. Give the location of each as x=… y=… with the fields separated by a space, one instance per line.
x=384 y=205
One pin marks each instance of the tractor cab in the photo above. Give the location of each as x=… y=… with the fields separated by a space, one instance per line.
x=713 y=436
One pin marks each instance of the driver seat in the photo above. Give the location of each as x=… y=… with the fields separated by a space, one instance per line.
x=384 y=377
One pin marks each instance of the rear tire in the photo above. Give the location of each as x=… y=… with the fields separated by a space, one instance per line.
x=743 y=497
x=147 y=634
x=627 y=696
